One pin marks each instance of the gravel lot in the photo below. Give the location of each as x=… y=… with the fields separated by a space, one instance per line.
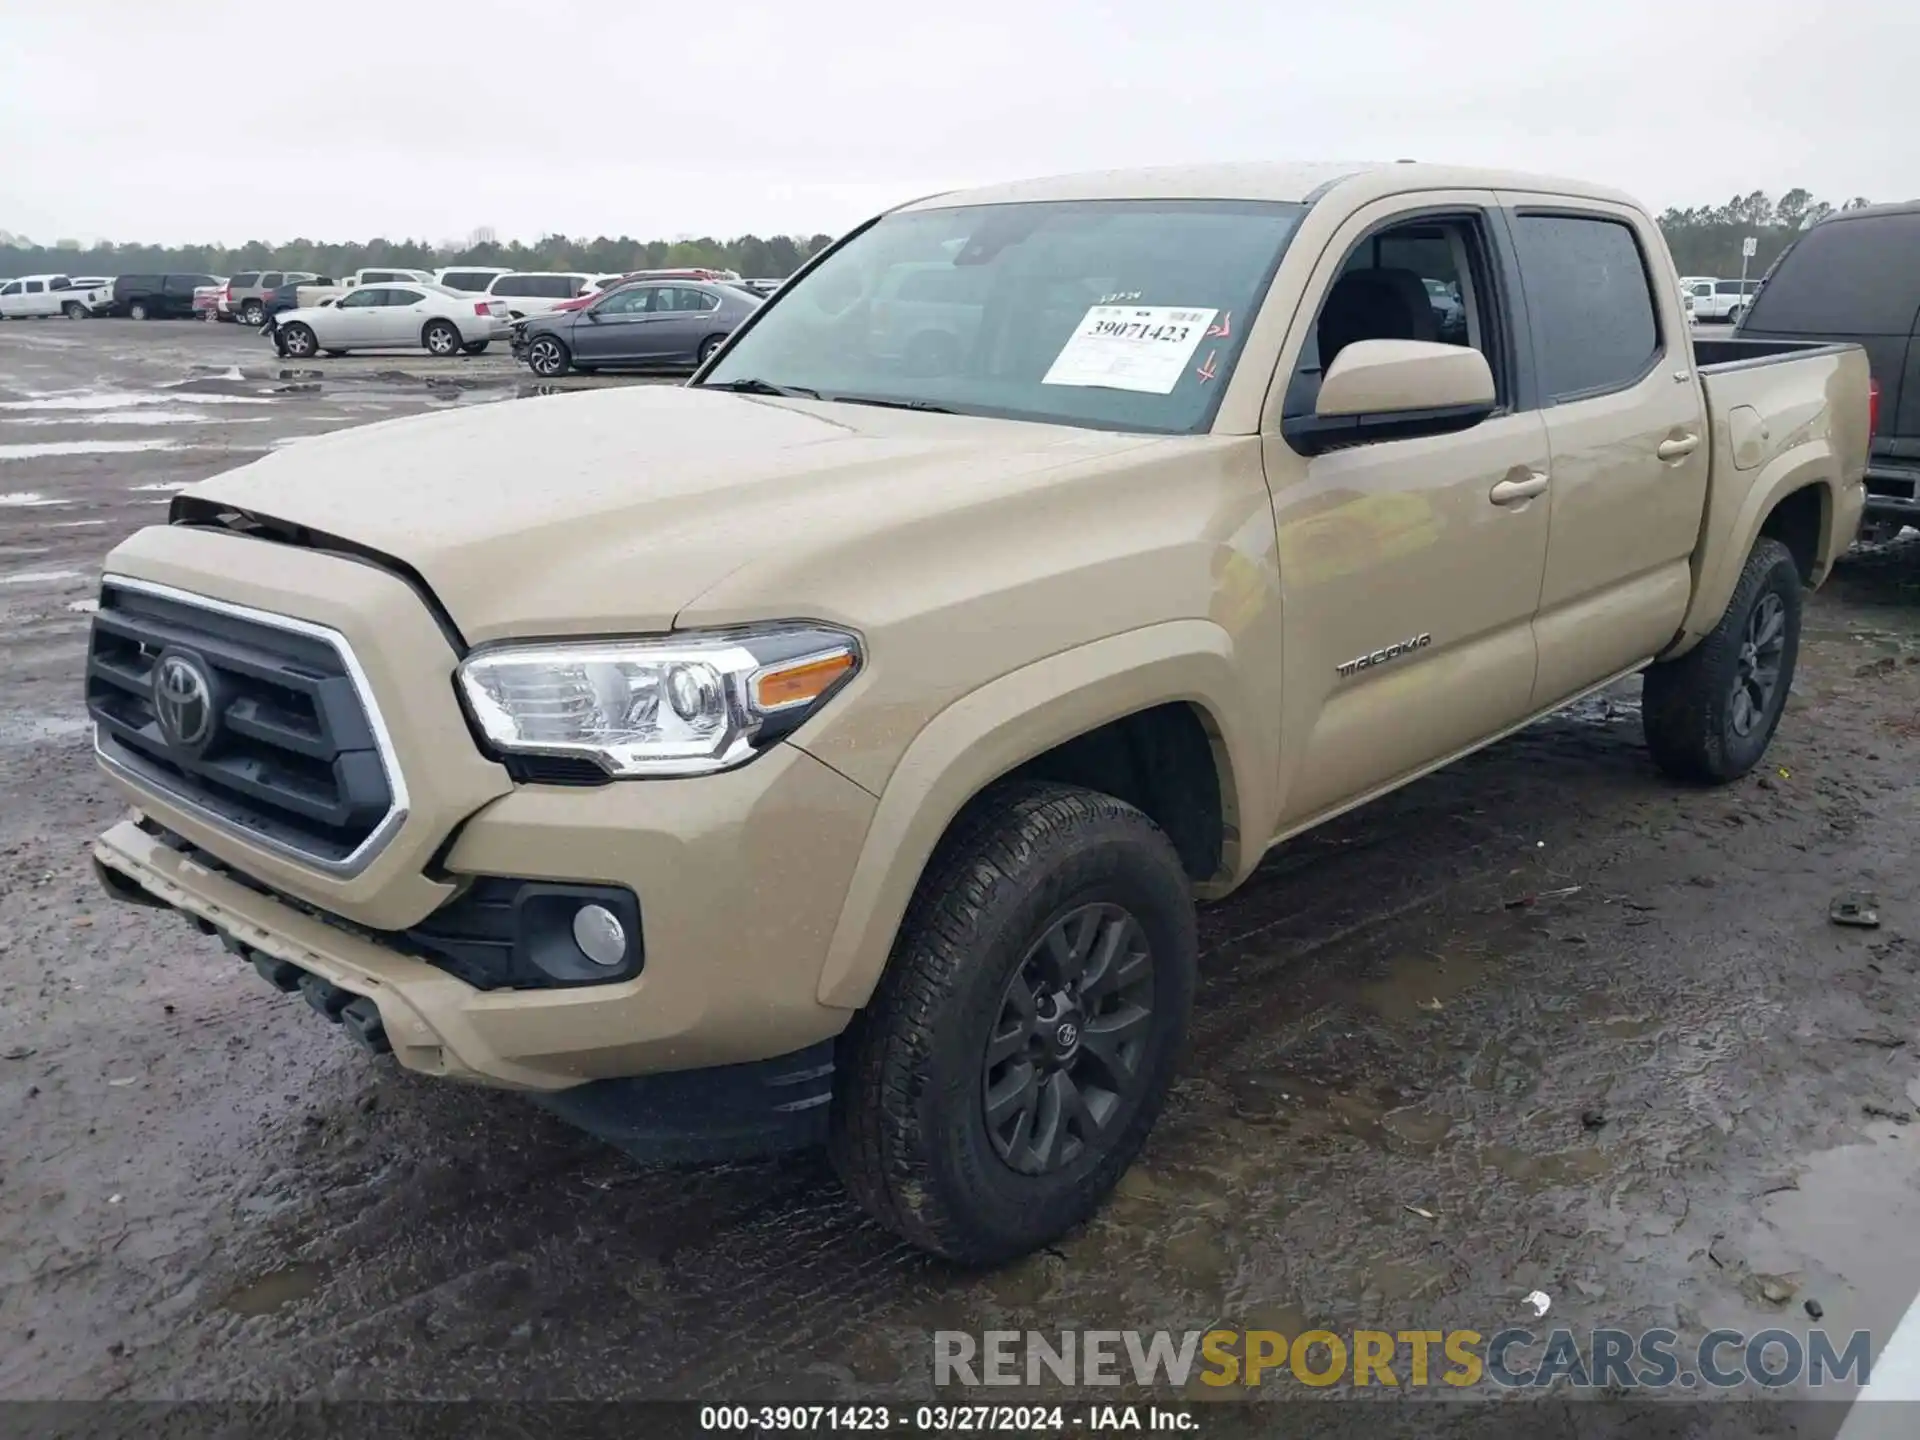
x=1598 y=1029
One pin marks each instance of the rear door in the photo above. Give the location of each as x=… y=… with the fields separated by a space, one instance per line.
x=684 y=319
x=39 y=300
x=1627 y=433
x=400 y=316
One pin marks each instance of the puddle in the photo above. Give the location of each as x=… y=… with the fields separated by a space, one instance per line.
x=1540 y=1172
x=84 y=607
x=37 y=577
x=140 y=415
x=1419 y=985
x=31 y=499
x=69 y=524
x=83 y=447
x=161 y=485
x=273 y=1290
x=124 y=399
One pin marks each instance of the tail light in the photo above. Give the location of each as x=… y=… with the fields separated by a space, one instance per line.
x=1873 y=406
x=481 y=307
x=229 y=292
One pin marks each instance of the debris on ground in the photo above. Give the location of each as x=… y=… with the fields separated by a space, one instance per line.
x=1423 y=1214
x=1861 y=910
x=1540 y=1302
x=1593 y=1119
x=1886 y=1112
x=1815 y=1310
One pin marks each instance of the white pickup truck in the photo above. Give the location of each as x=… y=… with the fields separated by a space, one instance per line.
x=41 y=297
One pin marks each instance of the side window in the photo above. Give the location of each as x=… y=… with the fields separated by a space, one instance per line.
x=272 y=280
x=362 y=298
x=12 y=289
x=36 y=287
x=1726 y=287
x=402 y=298
x=511 y=285
x=1703 y=292
x=625 y=302
x=1427 y=279
x=1595 y=326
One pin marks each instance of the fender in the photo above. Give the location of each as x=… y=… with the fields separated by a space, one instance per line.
x=987 y=733
x=1724 y=549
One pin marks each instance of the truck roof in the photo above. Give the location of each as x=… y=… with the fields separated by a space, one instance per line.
x=1264 y=181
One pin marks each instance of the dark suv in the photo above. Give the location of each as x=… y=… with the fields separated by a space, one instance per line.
x=1856 y=276
x=156 y=297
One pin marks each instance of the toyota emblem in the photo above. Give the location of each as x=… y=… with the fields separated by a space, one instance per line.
x=1067 y=1036
x=182 y=701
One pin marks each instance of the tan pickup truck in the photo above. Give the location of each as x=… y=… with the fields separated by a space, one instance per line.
x=831 y=750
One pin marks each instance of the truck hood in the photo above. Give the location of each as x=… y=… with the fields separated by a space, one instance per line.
x=610 y=511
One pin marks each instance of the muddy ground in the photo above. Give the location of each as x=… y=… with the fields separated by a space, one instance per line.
x=1544 y=1022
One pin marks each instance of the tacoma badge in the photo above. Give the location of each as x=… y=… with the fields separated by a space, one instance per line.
x=1380 y=657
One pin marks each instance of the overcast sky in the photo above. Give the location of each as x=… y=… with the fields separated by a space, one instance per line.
x=203 y=120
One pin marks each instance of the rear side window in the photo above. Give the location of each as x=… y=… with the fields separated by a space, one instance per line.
x=1727 y=287
x=245 y=280
x=1592 y=304
x=467 y=280
x=516 y=285
x=1845 y=277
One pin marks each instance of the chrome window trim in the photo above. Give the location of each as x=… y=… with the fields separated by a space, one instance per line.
x=381 y=835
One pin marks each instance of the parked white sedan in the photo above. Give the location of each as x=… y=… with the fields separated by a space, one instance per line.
x=421 y=316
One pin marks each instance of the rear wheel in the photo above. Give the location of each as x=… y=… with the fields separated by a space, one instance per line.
x=548 y=356
x=441 y=337
x=299 y=340
x=709 y=345
x=253 y=313
x=1021 y=1042
x=1710 y=714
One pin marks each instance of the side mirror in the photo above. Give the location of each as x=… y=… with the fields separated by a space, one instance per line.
x=1394 y=390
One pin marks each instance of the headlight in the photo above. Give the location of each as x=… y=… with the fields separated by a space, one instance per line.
x=676 y=705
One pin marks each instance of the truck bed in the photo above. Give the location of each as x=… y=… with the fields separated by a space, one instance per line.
x=1731 y=353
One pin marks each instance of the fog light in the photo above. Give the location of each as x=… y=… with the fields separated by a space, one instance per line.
x=600 y=935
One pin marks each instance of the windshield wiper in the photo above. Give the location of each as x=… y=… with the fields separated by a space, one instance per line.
x=886 y=404
x=754 y=386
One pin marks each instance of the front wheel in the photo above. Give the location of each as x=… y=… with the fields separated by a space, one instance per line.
x=298 y=340
x=440 y=337
x=548 y=357
x=74 y=310
x=1710 y=714
x=1020 y=1044
x=137 y=311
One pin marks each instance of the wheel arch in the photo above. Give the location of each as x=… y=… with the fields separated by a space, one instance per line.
x=1160 y=713
x=1793 y=500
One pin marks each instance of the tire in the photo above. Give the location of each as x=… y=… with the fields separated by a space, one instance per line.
x=910 y=1134
x=709 y=345
x=74 y=310
x=253 y=313
x=1709 y=715
x=441 y=338
x=1733 y=315
x=475 y=347
x=138 y=311
x=548 y=356
x=300 y=340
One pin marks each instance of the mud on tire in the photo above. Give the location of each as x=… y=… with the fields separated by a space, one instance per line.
x=1709 y=715
x=1025 y=873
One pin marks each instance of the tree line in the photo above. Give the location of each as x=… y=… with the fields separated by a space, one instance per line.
x=771 y=257
x=1705 y=240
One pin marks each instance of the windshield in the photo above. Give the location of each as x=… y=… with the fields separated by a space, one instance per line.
x=1114 y=314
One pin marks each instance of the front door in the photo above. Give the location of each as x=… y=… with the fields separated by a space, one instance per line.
x=1626 y=428
x=1409 y=569
x=606 y=332
x=355 y=320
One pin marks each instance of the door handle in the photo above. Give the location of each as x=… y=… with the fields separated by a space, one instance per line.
x=1512 y=492
x=1674 y=449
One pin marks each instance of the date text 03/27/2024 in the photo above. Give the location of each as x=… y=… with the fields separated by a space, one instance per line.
x=947 y=1419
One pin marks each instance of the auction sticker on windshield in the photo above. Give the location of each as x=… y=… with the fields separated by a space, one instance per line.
x=1130 y=347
